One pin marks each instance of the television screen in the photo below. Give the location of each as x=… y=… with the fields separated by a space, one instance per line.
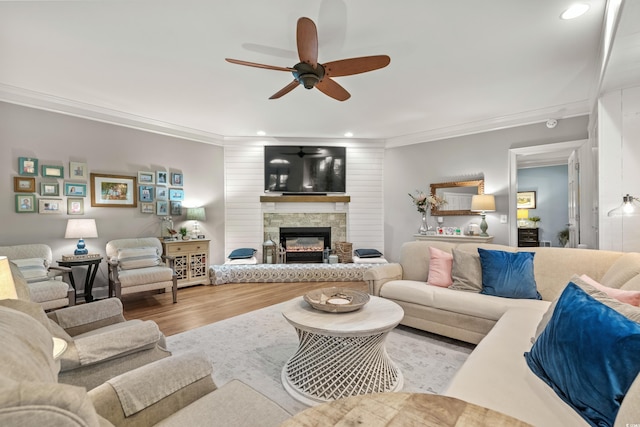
x=290 y=169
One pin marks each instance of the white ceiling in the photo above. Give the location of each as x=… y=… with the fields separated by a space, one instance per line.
x=456 y=66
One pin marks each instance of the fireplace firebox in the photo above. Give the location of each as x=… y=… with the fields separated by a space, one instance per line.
x=304 y=244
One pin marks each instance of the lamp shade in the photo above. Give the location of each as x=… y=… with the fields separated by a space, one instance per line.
x=523 y=213
x=81 y=229
x=7 y=285
x=196 y=214
x=483 y=203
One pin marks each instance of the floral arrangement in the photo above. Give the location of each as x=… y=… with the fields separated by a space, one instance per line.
x=422 y=201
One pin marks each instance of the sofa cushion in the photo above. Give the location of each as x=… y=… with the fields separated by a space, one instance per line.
x=627 y=297
x=592 y=369
x=623 y=269
x=133 y=258
x=141 y=276
x=242 y=253
x=32 y=269
x=440 y=263
x=507 y=274
x=466 y=271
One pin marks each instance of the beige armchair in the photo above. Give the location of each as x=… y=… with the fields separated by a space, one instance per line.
x=137 y=265
x=44 y=281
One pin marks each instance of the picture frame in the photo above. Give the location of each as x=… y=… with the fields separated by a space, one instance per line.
x=53 y=171
x=145 y=193
x=113 y=191
x=176 y=208
x=77 y=189
x=77 y=170
x=24 y=185
x=162 y=178
x=526 y=200
x=25 y=203
x=176 y=194
x=50 y=206
x=146 y=177
x=162 y=193
x=147 y=208
x=49 y=189
x=176 y=179
x=27 y=166
x=75 y=206
x=162 y=208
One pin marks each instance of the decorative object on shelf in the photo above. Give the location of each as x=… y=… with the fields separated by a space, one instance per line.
x=50 y=206
x=336 y=300
x=53 y=171
x=81 y=229
x=269 y=251
x=25 y=203
x=75 y=189
x=7 y=285
x=523 y=217
x=80 y=257
x=75 y=206
x=27 y=166
x=195 y=215
x=183 y=233
x=424 y=204
x=526 y=200
x=628 y=207
x=483 y=203
x=344 y=250
x=166 y=227
x=24 y=185
x=77 y=170
x=113 y=191
x=535 y=220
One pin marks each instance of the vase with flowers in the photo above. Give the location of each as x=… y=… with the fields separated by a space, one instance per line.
x=424 y=204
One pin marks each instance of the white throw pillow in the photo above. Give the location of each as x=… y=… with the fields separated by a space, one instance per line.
x=33 y=269
x=132 y=258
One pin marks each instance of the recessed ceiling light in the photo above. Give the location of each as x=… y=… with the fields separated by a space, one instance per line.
x=575 y=10
x=348 y=134
x=261 y=133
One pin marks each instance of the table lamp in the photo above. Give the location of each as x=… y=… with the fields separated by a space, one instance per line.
x=7 y=285
x=483 y=203
x=81 y=229
x=523 y=217
x=196 y=214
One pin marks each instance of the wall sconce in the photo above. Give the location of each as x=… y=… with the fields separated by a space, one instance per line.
x=628 y=207
x=483 y=203
x=81 y=229
x=196 y=214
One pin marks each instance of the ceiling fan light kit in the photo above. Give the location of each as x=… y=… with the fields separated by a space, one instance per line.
x=309 y=73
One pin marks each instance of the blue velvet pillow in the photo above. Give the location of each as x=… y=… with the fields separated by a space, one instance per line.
x=367 y=253
x=508 y=274
x=242 y=253
x=589 y=354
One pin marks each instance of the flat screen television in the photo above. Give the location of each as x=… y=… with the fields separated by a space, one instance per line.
x=304 y=170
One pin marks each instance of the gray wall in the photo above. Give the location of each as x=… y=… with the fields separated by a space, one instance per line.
x=56 y=139
x=552 y=198
x=486 y=154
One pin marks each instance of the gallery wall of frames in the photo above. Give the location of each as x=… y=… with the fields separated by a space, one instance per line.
x=49 y=189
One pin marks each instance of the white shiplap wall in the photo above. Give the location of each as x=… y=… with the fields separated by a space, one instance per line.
x=243 y=173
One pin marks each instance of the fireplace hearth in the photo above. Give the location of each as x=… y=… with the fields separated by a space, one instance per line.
x=304 y=244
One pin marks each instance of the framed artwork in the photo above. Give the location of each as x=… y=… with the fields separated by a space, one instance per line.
x=176 y=179
x=146 y=193
x=161 y=178
x=162 y=208
x=49 y=189
x=148 y=208
x=24 y=185
x=162 y=193
x=53 y=171
x=526 y=200
x=75 y=206
x=113 y=191
x=27 y=166
x=75 y=189
x=50 y=206
x=176 y=194
x=77 y=170
x=176 y=208
x=25 y=203
x=146 y=177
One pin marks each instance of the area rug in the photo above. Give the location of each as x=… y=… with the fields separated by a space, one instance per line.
x=254 y=347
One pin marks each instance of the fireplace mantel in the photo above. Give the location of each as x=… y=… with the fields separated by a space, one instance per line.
x=305 y=199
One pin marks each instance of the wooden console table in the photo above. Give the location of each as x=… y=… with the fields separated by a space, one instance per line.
x=454 y=238
x=191 y=260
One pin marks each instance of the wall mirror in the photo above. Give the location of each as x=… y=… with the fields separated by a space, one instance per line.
x=458 y=196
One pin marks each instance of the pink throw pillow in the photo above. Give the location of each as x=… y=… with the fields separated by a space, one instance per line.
x=440 y=264
x=627 y=297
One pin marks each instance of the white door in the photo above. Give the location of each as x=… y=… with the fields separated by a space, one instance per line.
x=574 y=200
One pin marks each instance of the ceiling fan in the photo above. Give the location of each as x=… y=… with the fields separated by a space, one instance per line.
x=309 y=73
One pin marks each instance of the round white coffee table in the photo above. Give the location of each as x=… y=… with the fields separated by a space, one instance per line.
x=341 y=354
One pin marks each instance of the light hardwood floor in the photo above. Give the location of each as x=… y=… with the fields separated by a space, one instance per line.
x=200 y=305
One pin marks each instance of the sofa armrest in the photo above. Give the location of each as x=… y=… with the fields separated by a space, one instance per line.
x=87 y=317
x=55 y=271
x=155 y=391
x=379 y=275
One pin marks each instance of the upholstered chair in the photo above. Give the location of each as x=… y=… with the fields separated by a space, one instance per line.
x=48 y=285
x=137 y=265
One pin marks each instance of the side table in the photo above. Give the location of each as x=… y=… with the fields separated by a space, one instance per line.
x=92 y=268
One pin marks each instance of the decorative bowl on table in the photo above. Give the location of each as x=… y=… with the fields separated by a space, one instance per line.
x=337 y=300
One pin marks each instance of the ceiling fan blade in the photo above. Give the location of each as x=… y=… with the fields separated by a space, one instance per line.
x=347 y=67
x=285 y=90
x=331 y=88
x=254 y=64
x=307 y=39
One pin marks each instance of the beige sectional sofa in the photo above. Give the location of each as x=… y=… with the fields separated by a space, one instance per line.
x=496 y=374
